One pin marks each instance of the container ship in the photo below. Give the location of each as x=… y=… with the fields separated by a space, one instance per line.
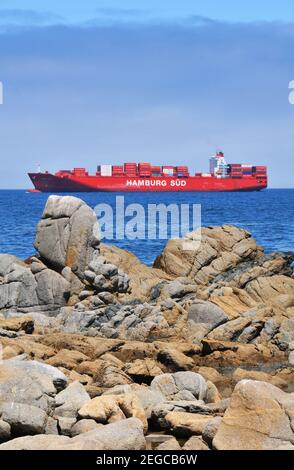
x=144 y=177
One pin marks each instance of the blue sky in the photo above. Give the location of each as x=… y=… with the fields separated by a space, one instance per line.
x=229 y=10
x=93 y=82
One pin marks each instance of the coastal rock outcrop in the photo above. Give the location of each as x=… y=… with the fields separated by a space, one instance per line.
x=99 y=349
x=27 y=287
x=68 y=234
x=260 y=417
x=124 y=435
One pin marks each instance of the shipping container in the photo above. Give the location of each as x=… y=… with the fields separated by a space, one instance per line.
x=106 y=170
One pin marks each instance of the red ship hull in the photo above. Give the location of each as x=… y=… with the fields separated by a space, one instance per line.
x=47 y=182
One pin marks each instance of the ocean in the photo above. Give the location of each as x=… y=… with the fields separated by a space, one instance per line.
x=268 y=215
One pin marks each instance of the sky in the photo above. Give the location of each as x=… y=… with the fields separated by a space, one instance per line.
x=97 y=82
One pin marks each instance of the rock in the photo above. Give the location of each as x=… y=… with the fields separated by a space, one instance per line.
x=9 y=352
x=103 y=410
x=112 y=408
x=51 y=426
x=40 y=382
x=178 y=288
x=84 y=425
x=259 y=418
x=210 y=430
x=25 y=324
x=5 y=431
x=65 y=425
x=67 y=359
x=286 y=334
x=233 y=353
x=222 y=382
x=143 y=370
x=212 y=394
x=161 y=410
x=186 y=424
x=242 y=374
x=204 y=312
x=30 y=346
x=231 y=330
x=222 y=249
x=67 y=235
x=108 y=375
x=171 y=384
x=25 y=291
x=149 y=399
x=141 y=277
x=291 y=358
x=70 y=400
x=175 y=360
x=169 y=444
x=195 y=443
x=23 y=419
x=124 y=435
x=41 y=442
x=8 y=334
x=40 y=370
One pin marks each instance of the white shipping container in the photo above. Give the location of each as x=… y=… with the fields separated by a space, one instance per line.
x=106 y=170
x=168 y=171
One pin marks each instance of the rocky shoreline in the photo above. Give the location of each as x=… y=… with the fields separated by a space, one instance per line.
x=102 y=352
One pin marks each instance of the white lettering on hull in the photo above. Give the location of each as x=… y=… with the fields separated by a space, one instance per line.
x=147 y=183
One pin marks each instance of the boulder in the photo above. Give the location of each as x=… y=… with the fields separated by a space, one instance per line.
x=169 y=444
x=149 y=398
x=143 y=369
x=210 y=430
x=242 y=374
x=124 y=435
x=204 y=312
x=84 y=425
x=186 y=424
x=65 y=424
x=67 y=359
x=212 y=395
x=51 y=426
x=40 y=442
x=161 y=410
x=221 y=249
x=40 y=371
x=23 y=419
x=14 y=380
x=68 y=234
x=26 y=289
x=195 y=443
x=260 y=417
x=141 y=277
x=70 y=400
x=112 y=408
x=171 y=384
x=175 y=360
x=5 y=431
x=17 y=324
x=231 y=330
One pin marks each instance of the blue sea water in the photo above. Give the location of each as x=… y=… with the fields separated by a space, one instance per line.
x=268 y=215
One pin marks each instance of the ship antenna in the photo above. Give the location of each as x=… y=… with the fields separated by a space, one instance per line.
x=38 y=167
